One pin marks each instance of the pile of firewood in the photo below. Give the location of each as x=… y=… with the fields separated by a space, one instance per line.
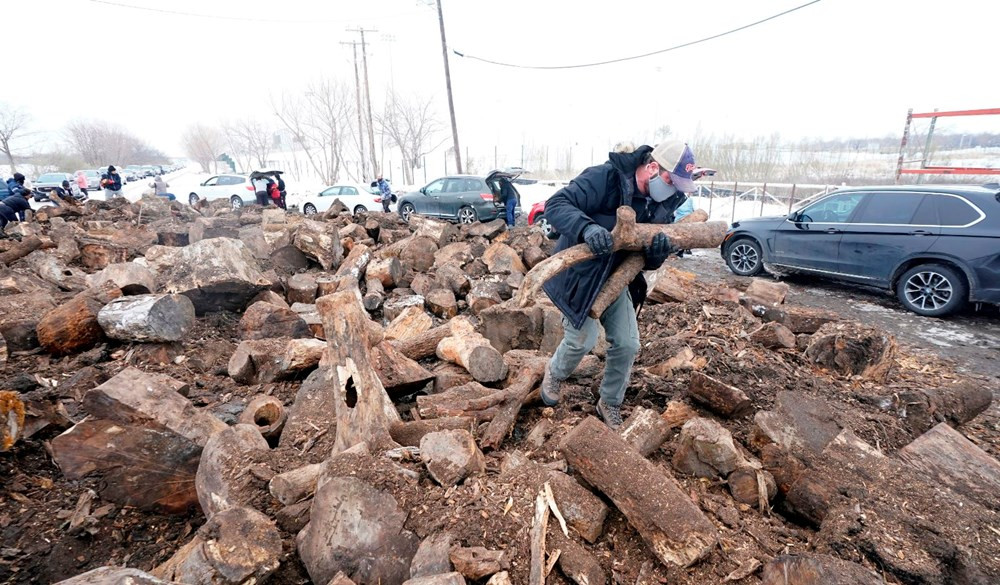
x=416 y=348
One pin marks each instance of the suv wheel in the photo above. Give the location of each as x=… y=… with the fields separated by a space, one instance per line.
x=406 y=210
x=543 y=224
x=360 y=209
x=192 y=199
x=309 y=209
x=744 y=257
x=932 y=290
x=467 y=215
x=236 y=202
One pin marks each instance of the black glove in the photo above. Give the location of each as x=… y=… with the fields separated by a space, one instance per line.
x=657 y=251
x=598 y=238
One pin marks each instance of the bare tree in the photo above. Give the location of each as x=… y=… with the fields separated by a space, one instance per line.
x=318 y=122
x=204 y=144
x=99 y=143
x=248 y=140
x=13 y=122
x=411 y=124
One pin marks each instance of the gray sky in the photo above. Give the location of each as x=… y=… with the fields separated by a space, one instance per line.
x=837 y=68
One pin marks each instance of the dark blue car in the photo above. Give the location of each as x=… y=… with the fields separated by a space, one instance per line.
x=937 y=247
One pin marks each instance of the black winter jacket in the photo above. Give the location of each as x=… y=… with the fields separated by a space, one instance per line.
x=594 y=197
x=18 y=204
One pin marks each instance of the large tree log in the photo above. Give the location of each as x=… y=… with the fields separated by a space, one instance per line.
x=423 y=345
x=51 y=269
x=263 y=320
x=943 y=454
x=955 y=403
x=617 y=283
x=23 y=248
x=408 y=434
x=627 y=235
x=675 y=529
x=388 y=271
x=473 y=352
x=365 y=412
x=408 y=324
x=73 y=326
x=399 y=374
x=719 y=397
x=147 y=318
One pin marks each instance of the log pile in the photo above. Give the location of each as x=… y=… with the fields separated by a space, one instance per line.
x=351 y=399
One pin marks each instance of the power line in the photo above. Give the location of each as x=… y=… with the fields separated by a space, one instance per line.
x=248 y=18
x=633 y=57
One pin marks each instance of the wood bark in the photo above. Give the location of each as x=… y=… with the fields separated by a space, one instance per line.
x=627 y=235
x=951 y=460
x=374 y=294
x=423 y=345
x=473 y=352
x=441 y=232
x=388 y=271
x=411 y=322
x=617 y=283
x=73 y=326
x=20 y=250
x=767 y=291
x=472 y=400
x=148 y=318
x=719 y=397
x=816 y=569
x=365 y=412
x=853 y=349
x=321 y=242
x=312 y=418
x=51 y=269
x=576 y=562
x=263 y=320
x=19 y=317
x=536 y=538
x=696 y=216
x=409 y=433
x=399 y=374
x=676 y=530
x=224 y=479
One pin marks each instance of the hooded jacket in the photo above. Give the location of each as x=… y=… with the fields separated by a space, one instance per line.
x=114 y=181
x=594 y=197
x=17 y=203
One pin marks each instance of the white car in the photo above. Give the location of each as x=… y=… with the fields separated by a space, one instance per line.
x=236 y=188
x=357 y=198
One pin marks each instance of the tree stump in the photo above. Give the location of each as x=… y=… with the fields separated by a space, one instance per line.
x=853 y=349
x=302 y=288
x=148 y=318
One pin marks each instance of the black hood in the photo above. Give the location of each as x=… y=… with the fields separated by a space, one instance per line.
x=627 y=162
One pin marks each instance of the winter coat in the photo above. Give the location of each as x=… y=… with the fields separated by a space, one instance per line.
x=17 y=203
x=81 y=181
x=160 y=186
x=507 y=191
x=114 y=182
x=384 y=188
x=594 y=197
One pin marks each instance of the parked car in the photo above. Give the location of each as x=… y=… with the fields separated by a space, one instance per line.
x=47 y=182
x=130 y=173
x=236 y=188
x=357 y=198
x=537 y=217
x=93 y=178
x=461 y=198
x=148 y=171
x=937 y=247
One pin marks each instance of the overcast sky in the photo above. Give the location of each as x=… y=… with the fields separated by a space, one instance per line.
x=834 y=69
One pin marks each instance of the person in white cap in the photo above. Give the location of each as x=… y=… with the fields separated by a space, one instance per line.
x=652 y=181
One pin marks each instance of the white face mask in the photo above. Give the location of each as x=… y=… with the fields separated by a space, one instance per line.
x=659 y=190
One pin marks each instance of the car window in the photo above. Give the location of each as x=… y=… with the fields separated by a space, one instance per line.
x=945 y=210
x=349 y=191
x=889 y=208
x=472 y=185
x=212 y=182
x=833 y=209
x=435 y=187
x=330 y=192
x=49 y=178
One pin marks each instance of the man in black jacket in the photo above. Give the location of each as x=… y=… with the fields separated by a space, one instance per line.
x=13 y=206
x=112 y=183
x=651 y=181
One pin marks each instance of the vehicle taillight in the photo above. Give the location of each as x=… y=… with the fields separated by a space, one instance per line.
x=486 y=196
x=250 y=188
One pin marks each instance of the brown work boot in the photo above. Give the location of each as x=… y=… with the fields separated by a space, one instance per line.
x=611 y=415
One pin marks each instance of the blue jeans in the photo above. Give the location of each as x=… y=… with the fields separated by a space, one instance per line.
x=511 y=205
x=622 y=333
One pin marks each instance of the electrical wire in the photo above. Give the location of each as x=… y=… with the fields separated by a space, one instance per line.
x=634 y=57
x=246 y=18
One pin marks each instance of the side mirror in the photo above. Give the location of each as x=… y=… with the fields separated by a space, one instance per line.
x=423 y=190
x=793 y=216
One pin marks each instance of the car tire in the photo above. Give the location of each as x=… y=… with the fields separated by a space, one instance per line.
x=192 y=200
x=309 y=209
x=406 y=210
x=744 y=257
x=543 y=224
x=467 y=215
x=360 y=209
x=932 y=290
x=235 y=202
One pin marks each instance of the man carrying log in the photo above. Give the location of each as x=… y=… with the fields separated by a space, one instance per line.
x=650 y=181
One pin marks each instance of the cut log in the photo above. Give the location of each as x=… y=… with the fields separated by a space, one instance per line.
x=312 y=418
x=627 y=235
x=774 y=336
x=533 y=255
x=719 y=397
x=388 y=271
x=224 y=479
x=267 y=413
x=73 y=326
x=206 y=228
x=302 y=288
x=234 y=547
x=399 y=374
x=576 y=562
x=670 y=285
x=354 y=265
x=296 y=485
x=442 y=303
x=487 y=229
x=417 y=254
x=412 y=321
x=423 y=345
x=447 y=375
x=432 y=556
x=473 y=352
x=853 y=349
x=508 y=327
x=131 y=278
x=706 y=449
x=393 y=307
x=115 y=576
x=957 y=403
x=502 y=259
x=458 y=254
x=11 y=419
x=451 y=456
x=301 y=355
x=814 y=569
x=951 y=460
x=409 y=434
x=52 y=270
x=320 y=241
x=645 y=430
x=527 y=378
x=257 y=361
x=676 y=530
x=365 y=412
x=753 y=486
x=147 y=318
x=677 y=413
x=219 y=274
x=797 y=319
x=442 y=232
x=96 y=254
x=374 y=294
x=19 y=317
x=423 y=284
x=476 y=562
x=20 y=250
x=484 y=294
x=767 y=291
x=616 y=284
x=470 y=400
x=452 y=277
x=263 y=320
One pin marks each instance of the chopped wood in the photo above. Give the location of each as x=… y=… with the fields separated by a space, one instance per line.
x=423 y=345
x=442 y=303
x=302 y=288
x=374 y=294
x=148 y=318
x=11 y=419
x=267 y=413
x=301 y=355
x=296 y=485
x=409 y=433
x=399 y=374
x=645 y=430
x=767 y=291
x=774 y=336
x=539 y=528
x=719 y=397
x=23 y=248
x=616 y=284
x=528 y=377
x=412 y=321
x=473 y=352
x=73 y=326
x=263 y=320
x=388 y=271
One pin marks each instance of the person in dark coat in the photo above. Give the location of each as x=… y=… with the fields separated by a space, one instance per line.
x=13 y=206
x=652 y=182
x=112 y=183
x=385 y=192
x=508 y=196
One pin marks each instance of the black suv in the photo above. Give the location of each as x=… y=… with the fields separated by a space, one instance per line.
x=937 y=247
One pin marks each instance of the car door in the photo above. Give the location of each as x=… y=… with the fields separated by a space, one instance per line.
x=451 y=197
x=810 y=239
x=351 y=198
x=882 y=233
x=209 y=189
x=326 y=197
x=430 y=201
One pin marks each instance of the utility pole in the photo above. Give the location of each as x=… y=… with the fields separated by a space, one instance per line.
x=451 y=101
x=357 y=87
x=368 y=97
